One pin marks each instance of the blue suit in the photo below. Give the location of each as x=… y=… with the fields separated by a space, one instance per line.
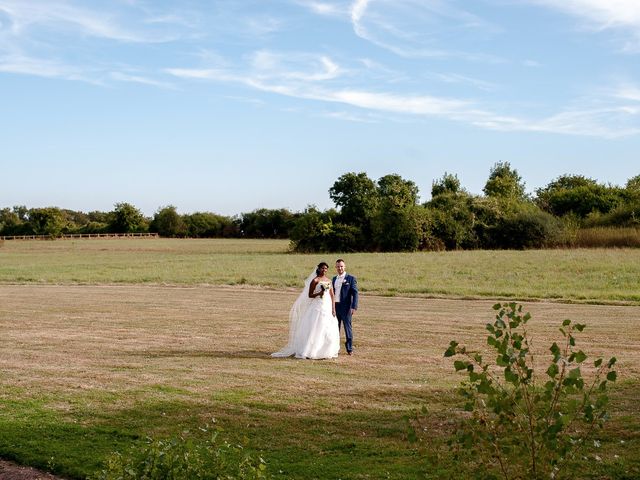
x=348 y=301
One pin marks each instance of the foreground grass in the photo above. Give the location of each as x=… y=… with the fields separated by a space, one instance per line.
x=582 y=275
x=86 y=370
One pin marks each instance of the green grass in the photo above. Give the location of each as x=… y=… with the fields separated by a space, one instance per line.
x=581 y=275
x=85 y=371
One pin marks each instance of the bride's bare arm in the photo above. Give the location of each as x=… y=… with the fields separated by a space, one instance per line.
x=312 y=287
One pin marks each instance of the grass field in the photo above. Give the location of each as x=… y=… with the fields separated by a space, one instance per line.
x=584 y=275
x=90 y=366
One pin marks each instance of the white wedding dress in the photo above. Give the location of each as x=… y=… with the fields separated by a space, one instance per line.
x=313 y=330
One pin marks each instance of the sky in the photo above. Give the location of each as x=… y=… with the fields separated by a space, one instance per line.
x=227 y=106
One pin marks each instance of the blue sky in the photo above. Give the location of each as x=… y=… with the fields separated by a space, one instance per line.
x=228 y=106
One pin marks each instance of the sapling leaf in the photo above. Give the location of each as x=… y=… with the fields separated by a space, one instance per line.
x=459 y=365
x=553 y=370
x=580 y=356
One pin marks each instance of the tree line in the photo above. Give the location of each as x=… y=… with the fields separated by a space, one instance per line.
x=380 y=215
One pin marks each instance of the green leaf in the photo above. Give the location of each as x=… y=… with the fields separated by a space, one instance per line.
x=580 y=356
x=553 y=370
x=497 y=306
x=555 y=349
x=451 y=351
x=575 y=373
x=579 y=326
x=597 y=363
x=612 y=362
x=566 y=322
x=459 y=365
x=612 y=376
x=511 y=377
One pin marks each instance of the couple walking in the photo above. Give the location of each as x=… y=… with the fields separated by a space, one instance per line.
x=316 y=316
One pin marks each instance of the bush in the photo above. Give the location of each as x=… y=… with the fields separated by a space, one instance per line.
x=526 y=228
x=184 y=459
x=520 y=428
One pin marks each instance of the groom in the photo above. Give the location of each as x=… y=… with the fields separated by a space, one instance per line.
x=345 y=287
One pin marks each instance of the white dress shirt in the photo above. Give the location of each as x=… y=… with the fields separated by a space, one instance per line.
x=338 y=287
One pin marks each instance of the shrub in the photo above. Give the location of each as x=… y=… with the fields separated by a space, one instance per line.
x=519 y=427
x=527 y=228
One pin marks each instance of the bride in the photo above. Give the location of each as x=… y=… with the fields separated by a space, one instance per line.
x=313 y=328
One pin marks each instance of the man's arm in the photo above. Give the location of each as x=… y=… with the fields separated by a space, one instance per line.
x=354 y=294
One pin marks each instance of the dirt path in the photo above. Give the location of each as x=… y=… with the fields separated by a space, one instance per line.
x=11 y=471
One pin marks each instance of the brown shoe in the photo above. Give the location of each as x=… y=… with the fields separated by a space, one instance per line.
x=349 y=353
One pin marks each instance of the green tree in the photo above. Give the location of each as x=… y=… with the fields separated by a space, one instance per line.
x=578 y=195
x=504 y=182
x=454 y=220
x=316 y=231
x=266 y=223
x=210 y=225
x=126 y=218
x=10 y=222
x=46 y=221
x=396 y=192
x=449 y=183
x=397 y=223
x=168 y=223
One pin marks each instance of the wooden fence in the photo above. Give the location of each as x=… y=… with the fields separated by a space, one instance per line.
x=71 y=236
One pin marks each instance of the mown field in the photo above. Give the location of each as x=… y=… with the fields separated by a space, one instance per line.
x=106 y=343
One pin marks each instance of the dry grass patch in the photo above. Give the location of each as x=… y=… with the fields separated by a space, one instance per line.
x=104 y=354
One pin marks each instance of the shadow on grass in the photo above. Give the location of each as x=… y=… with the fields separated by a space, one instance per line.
x=202 y=354
x=350 y=444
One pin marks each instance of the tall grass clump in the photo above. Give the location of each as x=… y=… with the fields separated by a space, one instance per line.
x=607 y=237
x=180 y=458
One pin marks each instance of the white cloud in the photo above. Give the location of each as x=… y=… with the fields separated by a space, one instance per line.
x=621 y=15
x=603 y=13
x=628 y=92
x=266 y=74
x=57 y=16
x=125 y=77
x=324 y=8
x=267 y=64
x=413 y=28
x=39 y=67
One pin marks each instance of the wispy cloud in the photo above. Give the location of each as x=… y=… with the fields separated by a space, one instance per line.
x=623 y=15
x=57 y=16
x=125 y=77
x=41 y=67
x=412 y=28
x=267 y=73
x=457 y=78
x=267 y=64
x=332 y=9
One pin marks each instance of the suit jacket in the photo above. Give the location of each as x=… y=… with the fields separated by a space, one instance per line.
x=348 y=292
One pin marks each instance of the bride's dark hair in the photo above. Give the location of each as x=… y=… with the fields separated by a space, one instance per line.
x=320 y=265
